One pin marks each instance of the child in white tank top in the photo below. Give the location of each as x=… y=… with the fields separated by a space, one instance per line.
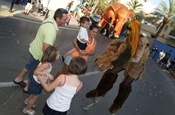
x=65 y=86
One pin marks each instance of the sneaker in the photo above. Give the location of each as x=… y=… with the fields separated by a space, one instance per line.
x=62 y=59
x=28 y=112
x=25 y=102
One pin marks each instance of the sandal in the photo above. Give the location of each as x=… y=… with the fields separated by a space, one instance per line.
x=21 y=83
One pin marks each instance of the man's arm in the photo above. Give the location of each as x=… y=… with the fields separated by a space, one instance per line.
x=74 y=42
x=138 y=55
x=49 y=36
x=45 y=46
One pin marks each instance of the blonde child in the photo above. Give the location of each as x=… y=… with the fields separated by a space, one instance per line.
x=65 y=86
x=44 y=68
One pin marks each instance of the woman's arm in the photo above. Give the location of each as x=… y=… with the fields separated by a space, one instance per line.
x=49 y=87
x=92 y=52
x=40 y=70
x=74 y=42
x=138 y=55
x=79 y=87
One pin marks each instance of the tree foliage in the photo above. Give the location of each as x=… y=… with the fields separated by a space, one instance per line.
x=164 y=13
x=135 y=5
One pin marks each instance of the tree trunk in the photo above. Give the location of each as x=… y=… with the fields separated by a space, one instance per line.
x=159 y=30
x=95 y=10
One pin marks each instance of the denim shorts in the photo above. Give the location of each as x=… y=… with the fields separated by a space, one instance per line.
x=34 y=87
x=82 y=46
x=32 y=64
x=48 y=111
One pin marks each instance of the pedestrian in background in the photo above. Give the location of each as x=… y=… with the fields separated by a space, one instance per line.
x=70 y=17
x=153 y=51
x=29 y=6
x=161 y=56
x=165 y=59
x=45 y=37
x=17 y=2
x=65 y=86
x=68 y=7
x=44 y=68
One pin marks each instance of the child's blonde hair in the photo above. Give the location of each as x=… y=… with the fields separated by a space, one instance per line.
x=50 y=54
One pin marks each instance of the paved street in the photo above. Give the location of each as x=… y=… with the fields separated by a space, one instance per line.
x=153 y=95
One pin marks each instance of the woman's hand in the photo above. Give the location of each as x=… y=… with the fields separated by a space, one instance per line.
x=40 y=78
x=50 y=77
x=83 y=53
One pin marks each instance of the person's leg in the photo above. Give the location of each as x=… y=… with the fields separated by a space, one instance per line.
x=33 y=66
x=30 y=66
x=11 y=6
x=30 y=7
x=21 y=75
x=26 y=8
x=70 y=52
x=31 y=101
x=25 y=90
x=106 y=83
x=123 y=93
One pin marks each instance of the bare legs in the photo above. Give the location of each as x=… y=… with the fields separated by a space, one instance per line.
x=19 y=79
x=21 y=75
x=28 y=8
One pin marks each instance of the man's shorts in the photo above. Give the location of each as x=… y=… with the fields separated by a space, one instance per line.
x=32 y=65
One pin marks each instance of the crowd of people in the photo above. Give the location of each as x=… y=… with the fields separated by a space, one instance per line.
x=42 y=8
x=42 y=54
x=165 y=60
x=66 y=82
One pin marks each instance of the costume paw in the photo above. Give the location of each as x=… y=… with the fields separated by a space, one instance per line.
x=114 y=108
x=91 y=94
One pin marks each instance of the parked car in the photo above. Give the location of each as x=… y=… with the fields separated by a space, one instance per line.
x=95 y=18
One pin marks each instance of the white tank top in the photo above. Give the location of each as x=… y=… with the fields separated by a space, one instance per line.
x=45 y=77
x=60 y=99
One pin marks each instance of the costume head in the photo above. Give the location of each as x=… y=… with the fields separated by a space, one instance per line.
x=133 y=37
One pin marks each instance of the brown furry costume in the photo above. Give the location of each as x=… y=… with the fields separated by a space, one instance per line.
x=117 y=55
x=118 y=52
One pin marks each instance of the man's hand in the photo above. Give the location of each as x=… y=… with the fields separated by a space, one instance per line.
x=39 y=77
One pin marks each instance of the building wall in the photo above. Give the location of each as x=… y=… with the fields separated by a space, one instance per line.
x=149 y=29
x=164 y=36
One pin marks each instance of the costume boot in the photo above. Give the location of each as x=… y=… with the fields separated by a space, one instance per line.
x=105 y=84
x=123 y=94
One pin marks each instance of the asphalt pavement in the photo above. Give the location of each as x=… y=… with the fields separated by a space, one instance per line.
x=153 y=95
